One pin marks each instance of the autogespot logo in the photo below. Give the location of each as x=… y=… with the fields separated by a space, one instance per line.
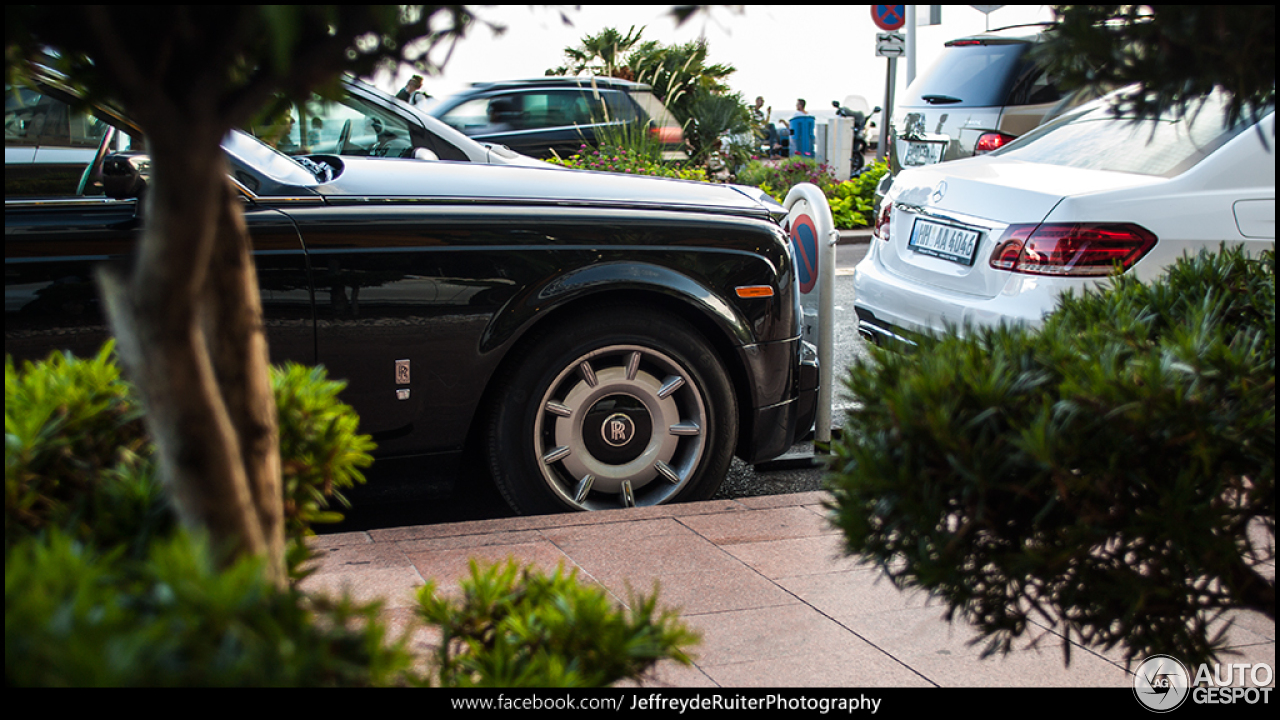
x=1161 y=683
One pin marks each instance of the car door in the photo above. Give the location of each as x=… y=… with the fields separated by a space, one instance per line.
x=404 y=296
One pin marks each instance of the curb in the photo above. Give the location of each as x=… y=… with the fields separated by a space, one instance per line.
x=854 y=237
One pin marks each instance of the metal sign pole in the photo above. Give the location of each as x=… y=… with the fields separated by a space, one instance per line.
x=891 y=18
x=887 y=113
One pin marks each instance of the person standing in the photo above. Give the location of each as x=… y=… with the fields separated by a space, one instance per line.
x=412 y=91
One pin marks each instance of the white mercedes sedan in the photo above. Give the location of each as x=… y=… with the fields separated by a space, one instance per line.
x=998 y=238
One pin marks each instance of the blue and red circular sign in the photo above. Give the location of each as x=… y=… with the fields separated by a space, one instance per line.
x=804 y=238
x=889 y=17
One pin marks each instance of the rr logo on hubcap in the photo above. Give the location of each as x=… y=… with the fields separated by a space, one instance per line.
x=617 y=430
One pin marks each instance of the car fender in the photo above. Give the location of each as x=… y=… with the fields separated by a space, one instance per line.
x=545 y=299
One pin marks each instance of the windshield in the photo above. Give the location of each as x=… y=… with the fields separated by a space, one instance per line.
x=266 y=171
x=970 y=75
x=1096 y=139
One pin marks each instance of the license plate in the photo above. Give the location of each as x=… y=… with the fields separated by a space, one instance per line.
x=922 y=153
x=948 y=242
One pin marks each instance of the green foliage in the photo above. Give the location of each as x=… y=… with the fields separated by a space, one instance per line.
x=677 y=72
x=693 y=90
x=777 y=178
x=76 y=455
x=852 y=202
x=599 y=54
x=628 y=161
x=1101 y=476
x=713 y=115
x=516 y=627
x=293 y=49
x=1177 y=53
x=321 y=451
x=76 y=616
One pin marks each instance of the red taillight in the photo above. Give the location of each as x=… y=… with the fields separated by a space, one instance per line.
x=1072 y=249
x=882 y=221
x=991 y=141
x=670 y=135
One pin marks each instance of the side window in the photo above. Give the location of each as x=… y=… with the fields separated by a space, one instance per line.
x=550 y=109
x=1034 y=86
x=471 y=117
x=32 y=119
x=621 y=108
x=48 y=145
x=488 y=115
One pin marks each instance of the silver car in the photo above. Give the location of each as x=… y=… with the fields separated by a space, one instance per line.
x=981 y=93
x=367 y=122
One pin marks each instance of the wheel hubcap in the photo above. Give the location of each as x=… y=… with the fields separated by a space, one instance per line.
x=620 y=427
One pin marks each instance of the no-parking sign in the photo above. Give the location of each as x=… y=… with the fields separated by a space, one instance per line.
x=804 y=239
x=889 y=17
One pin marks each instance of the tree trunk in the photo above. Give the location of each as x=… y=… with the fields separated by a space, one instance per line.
x=188 y=322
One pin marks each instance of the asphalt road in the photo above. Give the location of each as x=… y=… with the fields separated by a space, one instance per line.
x=394 y=498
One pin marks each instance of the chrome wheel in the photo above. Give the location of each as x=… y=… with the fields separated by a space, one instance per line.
x=613 y=407
x=619 y=427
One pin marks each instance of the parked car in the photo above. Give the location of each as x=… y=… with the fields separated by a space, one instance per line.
x=41 y=131
x=367 y=122
x=982 y=92
x=997 y=239
x=595 y=341
x=553 y=116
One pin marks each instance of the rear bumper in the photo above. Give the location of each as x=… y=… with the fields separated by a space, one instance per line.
x=890 y=307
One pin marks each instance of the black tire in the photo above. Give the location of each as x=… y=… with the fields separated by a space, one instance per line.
x=616 y=408
x=857 y=161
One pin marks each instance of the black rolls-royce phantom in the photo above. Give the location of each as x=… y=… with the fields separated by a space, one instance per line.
x=598 y=340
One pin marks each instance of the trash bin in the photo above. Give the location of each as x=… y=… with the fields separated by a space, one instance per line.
x=802 y=129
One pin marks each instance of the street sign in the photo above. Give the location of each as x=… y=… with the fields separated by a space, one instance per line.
x=889 y=17
x=890 y=45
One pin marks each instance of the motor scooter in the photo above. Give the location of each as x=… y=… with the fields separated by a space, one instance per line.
x=857 y=161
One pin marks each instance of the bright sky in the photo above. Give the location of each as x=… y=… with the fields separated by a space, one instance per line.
x=819 y=52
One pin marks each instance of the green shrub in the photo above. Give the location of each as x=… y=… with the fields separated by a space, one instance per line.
x=321 y=450
x=101 y=589
x=778 y=177
x=627 y=161
x=77 y=616
x=76 y=455
x=852 y=202
x=516 y=627
x=1101 y=475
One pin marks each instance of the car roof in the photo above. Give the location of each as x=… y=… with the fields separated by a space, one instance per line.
x=1013 y=34
x=562 y=81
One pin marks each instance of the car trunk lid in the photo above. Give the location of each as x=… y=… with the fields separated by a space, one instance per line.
x=945 y=225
